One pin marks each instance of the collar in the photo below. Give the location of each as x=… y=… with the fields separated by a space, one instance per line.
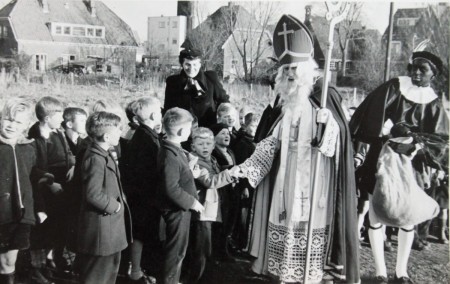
x=416 y=94
x=174 y=147
x=147 y=129
x=20 y=140
x=96 y=149
x=200 y=78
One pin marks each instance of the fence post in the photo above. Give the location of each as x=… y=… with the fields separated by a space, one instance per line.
x=72 y=78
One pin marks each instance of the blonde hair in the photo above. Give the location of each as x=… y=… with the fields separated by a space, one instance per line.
x=15 y=105
x=225 y=107
x=202 y=132
x=47 y=106
x=149 y=102
x=174 y=119
x=99 y=123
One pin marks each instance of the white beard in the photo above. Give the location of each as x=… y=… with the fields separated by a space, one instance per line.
x=294 y=94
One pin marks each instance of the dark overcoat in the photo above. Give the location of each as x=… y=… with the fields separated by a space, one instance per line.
x=204 y=107
x=101 y=231
x=176 y=185
x=142 y=173
x=18 y=161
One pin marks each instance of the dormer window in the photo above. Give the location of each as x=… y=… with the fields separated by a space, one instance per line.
x=67 y=30
x=63 y=29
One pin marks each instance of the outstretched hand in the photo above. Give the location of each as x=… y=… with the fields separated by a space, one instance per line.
x=236 y=172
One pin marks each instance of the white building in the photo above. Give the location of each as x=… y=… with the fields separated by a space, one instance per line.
x=165 y=36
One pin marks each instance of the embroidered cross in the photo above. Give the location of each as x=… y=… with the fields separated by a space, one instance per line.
x=284 y=33
x=303 y=200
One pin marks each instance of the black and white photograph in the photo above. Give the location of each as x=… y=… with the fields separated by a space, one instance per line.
x=224 y=142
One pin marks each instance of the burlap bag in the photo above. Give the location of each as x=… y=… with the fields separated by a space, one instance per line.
x=397 y=198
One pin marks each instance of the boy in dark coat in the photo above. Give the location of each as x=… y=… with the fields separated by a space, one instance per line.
x=53 y=156
x=102 y=224
x=225 y=158
x=74 y=125
x=18 y=202
x=177 y=191
x=243 y=148
x=143 y=177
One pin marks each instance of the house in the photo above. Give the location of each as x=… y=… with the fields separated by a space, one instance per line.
x=412 y=26
x=59 y=32
x=165 y=36
x=228 y=38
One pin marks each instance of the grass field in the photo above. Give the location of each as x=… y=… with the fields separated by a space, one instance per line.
x=82 y=92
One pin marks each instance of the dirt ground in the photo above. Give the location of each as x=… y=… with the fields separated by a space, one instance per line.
x=429 y=266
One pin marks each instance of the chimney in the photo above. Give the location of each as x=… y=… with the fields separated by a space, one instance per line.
x=45 y=6
x=90 y=4
x=93 y=9
x=187 y=9
x=308 y=14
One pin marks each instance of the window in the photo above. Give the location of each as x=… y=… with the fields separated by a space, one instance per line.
x=40 y=62
x=396 y=47
x=3 y=31
x=405 y=22
x=79 y=31
x=71 y=57
x=174 y=41
x=175 y=24
x=67 y=30
x=161 y=46
x=162 y=25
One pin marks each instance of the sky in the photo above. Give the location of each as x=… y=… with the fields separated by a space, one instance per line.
x=135 y=12
x=375 y=14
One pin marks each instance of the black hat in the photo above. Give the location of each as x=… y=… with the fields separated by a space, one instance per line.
x=435 y=60
x=216 y=128
x=292 y=41
x=189 y=52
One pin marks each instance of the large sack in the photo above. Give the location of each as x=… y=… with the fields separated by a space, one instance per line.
x=397 y=198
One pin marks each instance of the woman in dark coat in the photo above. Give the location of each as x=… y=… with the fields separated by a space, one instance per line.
x=200 y=92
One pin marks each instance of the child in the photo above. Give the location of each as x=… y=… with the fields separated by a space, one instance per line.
x=54 y=156
x=143 y=177
x=102 y=230
x=207 y=230
x=74 y=125
x=178 y=193
x=227 y=114
x=242 y=113
x=225 y=158
x=17 y=173
x=243 y=149
x=133 y=121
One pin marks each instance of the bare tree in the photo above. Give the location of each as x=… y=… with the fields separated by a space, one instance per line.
x=208 y=37
x=346 y=31
x=369 y=54
x=247 y=24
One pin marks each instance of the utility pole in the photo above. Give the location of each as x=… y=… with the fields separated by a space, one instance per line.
x=387 y=66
